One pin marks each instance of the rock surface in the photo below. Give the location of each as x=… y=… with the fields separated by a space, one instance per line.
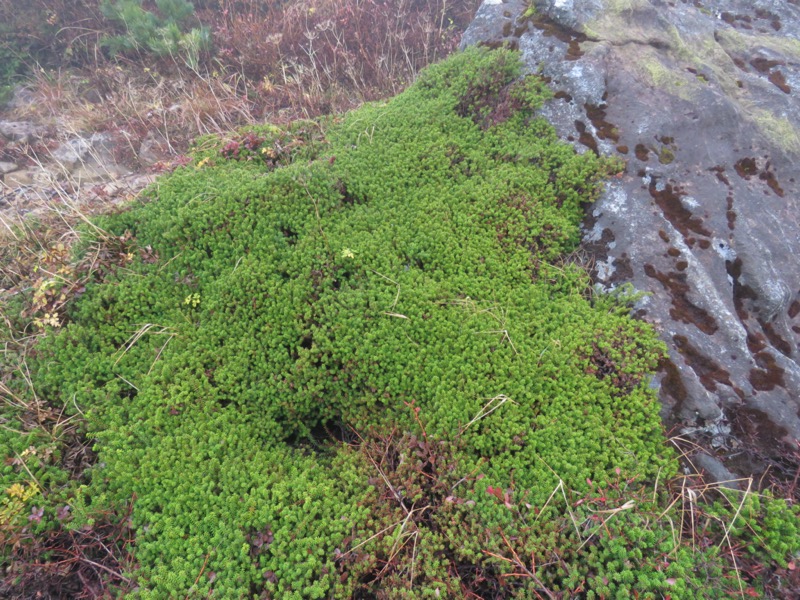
x=47 y=169
x=90 y=158
x=20 y=131
x=154 y=148
x=701 y=99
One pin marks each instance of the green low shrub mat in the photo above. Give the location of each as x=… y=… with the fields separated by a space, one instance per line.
x=348 y=359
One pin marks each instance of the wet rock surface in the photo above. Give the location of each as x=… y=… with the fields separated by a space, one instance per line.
x=701 y=99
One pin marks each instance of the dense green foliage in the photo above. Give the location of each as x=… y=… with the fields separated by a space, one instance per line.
x=345 y=358
x=165 y=33
x=10 y=64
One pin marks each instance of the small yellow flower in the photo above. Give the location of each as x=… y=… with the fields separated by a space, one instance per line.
x=192 y=299
x=347 y=253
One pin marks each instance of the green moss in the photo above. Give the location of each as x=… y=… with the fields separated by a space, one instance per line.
x=347 y=359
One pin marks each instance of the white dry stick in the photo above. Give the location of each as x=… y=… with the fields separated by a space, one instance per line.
x=611 y=514
x=146 y=328
x=485 y=411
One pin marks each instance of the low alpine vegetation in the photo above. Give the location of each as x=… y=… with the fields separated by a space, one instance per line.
x=345 y=359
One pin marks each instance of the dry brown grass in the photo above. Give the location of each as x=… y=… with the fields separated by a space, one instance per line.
x=329 y=55
x=273 y=61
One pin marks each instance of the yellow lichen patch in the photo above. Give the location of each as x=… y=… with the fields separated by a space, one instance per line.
x=736 y=41
x=778 y=130
x=619 y=6
x=661 y=76
x=680 y=48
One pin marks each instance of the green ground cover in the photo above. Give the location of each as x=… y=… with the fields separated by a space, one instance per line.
x=346 y=359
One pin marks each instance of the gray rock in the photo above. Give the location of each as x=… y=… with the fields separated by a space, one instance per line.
x=96 y=149
x=22 y=98
x=25 y=178
x=490 y=20
x=154 y=148
x=98 y=173
x=715 y=471
x=93 y=96
x=20 y=131
x=570 y=13
x=7 y=167
x=702 y=101
x=88 y=159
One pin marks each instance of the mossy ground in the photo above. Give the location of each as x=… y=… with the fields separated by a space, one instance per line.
x=345 y=359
